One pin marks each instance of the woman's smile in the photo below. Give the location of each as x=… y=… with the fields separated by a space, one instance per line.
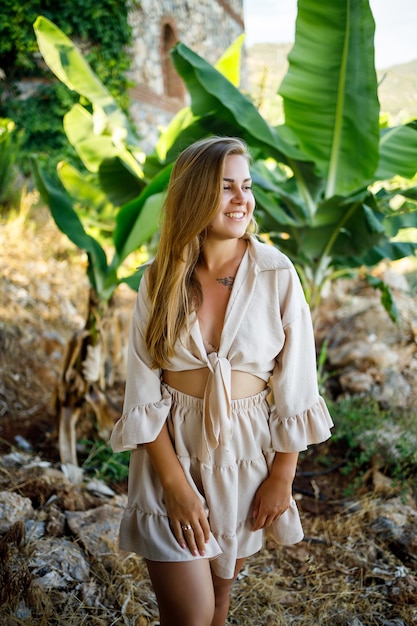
x=236 y=215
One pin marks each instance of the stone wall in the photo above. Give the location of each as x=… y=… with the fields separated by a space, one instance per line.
x=208 y=27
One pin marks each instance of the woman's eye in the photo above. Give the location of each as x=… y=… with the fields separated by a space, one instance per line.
x=244 y=188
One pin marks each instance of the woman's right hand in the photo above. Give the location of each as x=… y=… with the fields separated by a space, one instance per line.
x=187 y=517
x=186 y=513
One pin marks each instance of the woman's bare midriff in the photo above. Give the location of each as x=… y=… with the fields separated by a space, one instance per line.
x=193 y=382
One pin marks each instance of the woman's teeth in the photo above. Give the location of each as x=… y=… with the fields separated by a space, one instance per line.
x=235 y=215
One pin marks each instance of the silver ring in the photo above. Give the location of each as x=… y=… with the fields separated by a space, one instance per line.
x=187 y=527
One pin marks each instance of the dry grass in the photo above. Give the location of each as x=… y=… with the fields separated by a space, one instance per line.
x=341 y=574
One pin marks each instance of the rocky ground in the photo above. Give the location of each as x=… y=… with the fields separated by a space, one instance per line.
x=59 y=562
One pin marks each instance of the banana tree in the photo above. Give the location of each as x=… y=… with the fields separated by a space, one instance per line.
x=84 y=378
x=125 y=219
x=315 y=174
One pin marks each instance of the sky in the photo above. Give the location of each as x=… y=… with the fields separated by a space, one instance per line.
x=273 y=21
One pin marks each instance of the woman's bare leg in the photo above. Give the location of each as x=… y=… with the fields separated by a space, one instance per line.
x=222 y=587
x=184 y=592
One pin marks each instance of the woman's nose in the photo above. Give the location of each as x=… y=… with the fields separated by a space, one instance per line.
x=238 y=197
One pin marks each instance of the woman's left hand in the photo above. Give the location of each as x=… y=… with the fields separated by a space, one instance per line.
x=271 y=500
x=274 y=495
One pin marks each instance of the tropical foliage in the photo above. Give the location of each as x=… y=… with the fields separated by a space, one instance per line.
x=315 y=175
x=321 y=178
x=96 y=222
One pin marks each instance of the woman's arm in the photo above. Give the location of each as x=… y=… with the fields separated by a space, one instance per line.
x=274 y=494
x=183 y=504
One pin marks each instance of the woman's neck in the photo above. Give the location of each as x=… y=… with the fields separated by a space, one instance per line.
x=218 y=255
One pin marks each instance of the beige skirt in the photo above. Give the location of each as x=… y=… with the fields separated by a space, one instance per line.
x=226 y=486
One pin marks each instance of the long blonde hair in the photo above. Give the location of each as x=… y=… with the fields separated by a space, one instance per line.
x=193 y=198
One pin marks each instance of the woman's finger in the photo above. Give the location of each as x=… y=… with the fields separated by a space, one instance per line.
x=192 y=536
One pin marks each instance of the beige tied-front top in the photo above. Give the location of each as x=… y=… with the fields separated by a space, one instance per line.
x=267 y=332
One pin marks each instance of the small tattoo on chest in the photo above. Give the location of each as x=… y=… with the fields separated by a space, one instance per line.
x=227 y=281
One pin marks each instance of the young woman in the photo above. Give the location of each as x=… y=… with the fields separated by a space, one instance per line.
x=219 y=316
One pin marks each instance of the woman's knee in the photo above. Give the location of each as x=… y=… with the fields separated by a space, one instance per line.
x=222 y=586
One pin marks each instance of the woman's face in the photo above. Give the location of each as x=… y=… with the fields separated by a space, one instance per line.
x=237 y=203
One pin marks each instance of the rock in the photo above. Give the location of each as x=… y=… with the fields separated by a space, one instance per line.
x=356 y=382
x=22 y=612
x=13 y=508
x=23 y=444
x=89 y=592
x=99 y=488
x=394 y=390
x=388 y=441
x=16 y=459
x=367 y=353
x=97 y=529
x=400 y=510
x=41 y=483
x=395 y=524
x=55 y=525
x=405 y=546
x=35 y=529
x=362 y=355
x=382 y=485
x=57 y=563
x=386 y=529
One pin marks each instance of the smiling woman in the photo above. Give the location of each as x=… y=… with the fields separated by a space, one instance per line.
x=218 y=315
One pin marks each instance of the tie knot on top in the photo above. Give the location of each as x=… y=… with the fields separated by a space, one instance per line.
x=217 y=403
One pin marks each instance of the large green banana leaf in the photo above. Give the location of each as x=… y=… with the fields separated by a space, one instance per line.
x=226 y=110
x=330 y=91
x=66 y=218
x=398 y=153
x=319 y=231
x=95 y=209
x=106 y=133
x=138 y=219
x=70 y=67
x=229 y=63
x=89 y=143
x=185 y=127
x=89 y=135
x=118 y=181
x=136 y=223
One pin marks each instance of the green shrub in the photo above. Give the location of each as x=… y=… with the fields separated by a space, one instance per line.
x=40 y=121
x=102 y=30
x=103 y=462
x=385 y=438
x=9 y=145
